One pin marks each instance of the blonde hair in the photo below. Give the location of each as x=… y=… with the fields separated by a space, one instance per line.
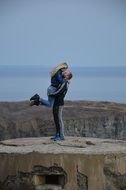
x=57 y=68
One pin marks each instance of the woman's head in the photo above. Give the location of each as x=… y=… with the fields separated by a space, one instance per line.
x=63 y=66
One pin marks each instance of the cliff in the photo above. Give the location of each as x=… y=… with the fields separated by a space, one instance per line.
x=74 y=164
x=81 y=118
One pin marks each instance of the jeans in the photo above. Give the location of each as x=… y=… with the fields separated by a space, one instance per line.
x=50 y=101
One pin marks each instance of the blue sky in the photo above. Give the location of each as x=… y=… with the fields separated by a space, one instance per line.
x=47 y=32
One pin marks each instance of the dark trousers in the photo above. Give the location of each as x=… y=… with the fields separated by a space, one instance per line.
x=57 y=115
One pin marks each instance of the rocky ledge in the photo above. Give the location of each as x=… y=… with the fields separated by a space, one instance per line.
x=81 y=118
x=76 y=163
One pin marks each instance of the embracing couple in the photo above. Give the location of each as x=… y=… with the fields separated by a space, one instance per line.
x=60 y=77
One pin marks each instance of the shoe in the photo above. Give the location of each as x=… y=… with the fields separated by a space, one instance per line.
x=36 y=96
x=62 y=138
x=52 y=138
x=57 y=138
x=32 y=103
x=34 y=100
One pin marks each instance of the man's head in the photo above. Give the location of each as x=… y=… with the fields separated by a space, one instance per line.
x=67 y=74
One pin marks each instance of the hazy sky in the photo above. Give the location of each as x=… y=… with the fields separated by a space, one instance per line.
x=47 y=32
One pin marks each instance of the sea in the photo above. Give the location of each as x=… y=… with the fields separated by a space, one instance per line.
x=20 y=82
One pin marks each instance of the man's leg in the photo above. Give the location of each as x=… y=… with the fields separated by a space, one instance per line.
x=60 y=116
x=56 y=121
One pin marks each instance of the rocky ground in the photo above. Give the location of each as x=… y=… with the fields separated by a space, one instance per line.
x=71 y=145
x=78 y=163
x=92 y=157
x=81 y=118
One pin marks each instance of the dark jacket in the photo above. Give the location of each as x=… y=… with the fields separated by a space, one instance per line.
x=60 y=93
x=57 y=79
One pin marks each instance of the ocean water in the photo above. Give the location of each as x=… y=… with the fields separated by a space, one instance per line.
x=19 y=83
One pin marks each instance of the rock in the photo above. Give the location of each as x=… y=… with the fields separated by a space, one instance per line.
x=81 y=118
x=42 y=164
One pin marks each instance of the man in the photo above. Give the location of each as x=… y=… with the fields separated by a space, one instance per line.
x=58 y=106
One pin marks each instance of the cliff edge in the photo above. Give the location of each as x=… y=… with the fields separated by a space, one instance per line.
x=81 y=118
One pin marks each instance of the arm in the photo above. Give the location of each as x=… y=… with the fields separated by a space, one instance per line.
x=63 y=88
x=59 y=76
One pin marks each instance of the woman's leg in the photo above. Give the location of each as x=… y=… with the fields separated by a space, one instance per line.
x=48 y=103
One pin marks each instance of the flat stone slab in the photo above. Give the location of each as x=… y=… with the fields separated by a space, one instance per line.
x=71 y=145
x=83 y=163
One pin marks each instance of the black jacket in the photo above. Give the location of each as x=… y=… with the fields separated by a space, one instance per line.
x=60 y=93
x=57 y=79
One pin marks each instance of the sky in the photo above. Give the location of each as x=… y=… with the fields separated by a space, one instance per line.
x=47 y=32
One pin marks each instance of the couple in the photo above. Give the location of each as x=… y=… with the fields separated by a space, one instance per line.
x=60 y=76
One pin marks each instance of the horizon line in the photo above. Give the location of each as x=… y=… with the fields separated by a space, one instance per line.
x=74 y=66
